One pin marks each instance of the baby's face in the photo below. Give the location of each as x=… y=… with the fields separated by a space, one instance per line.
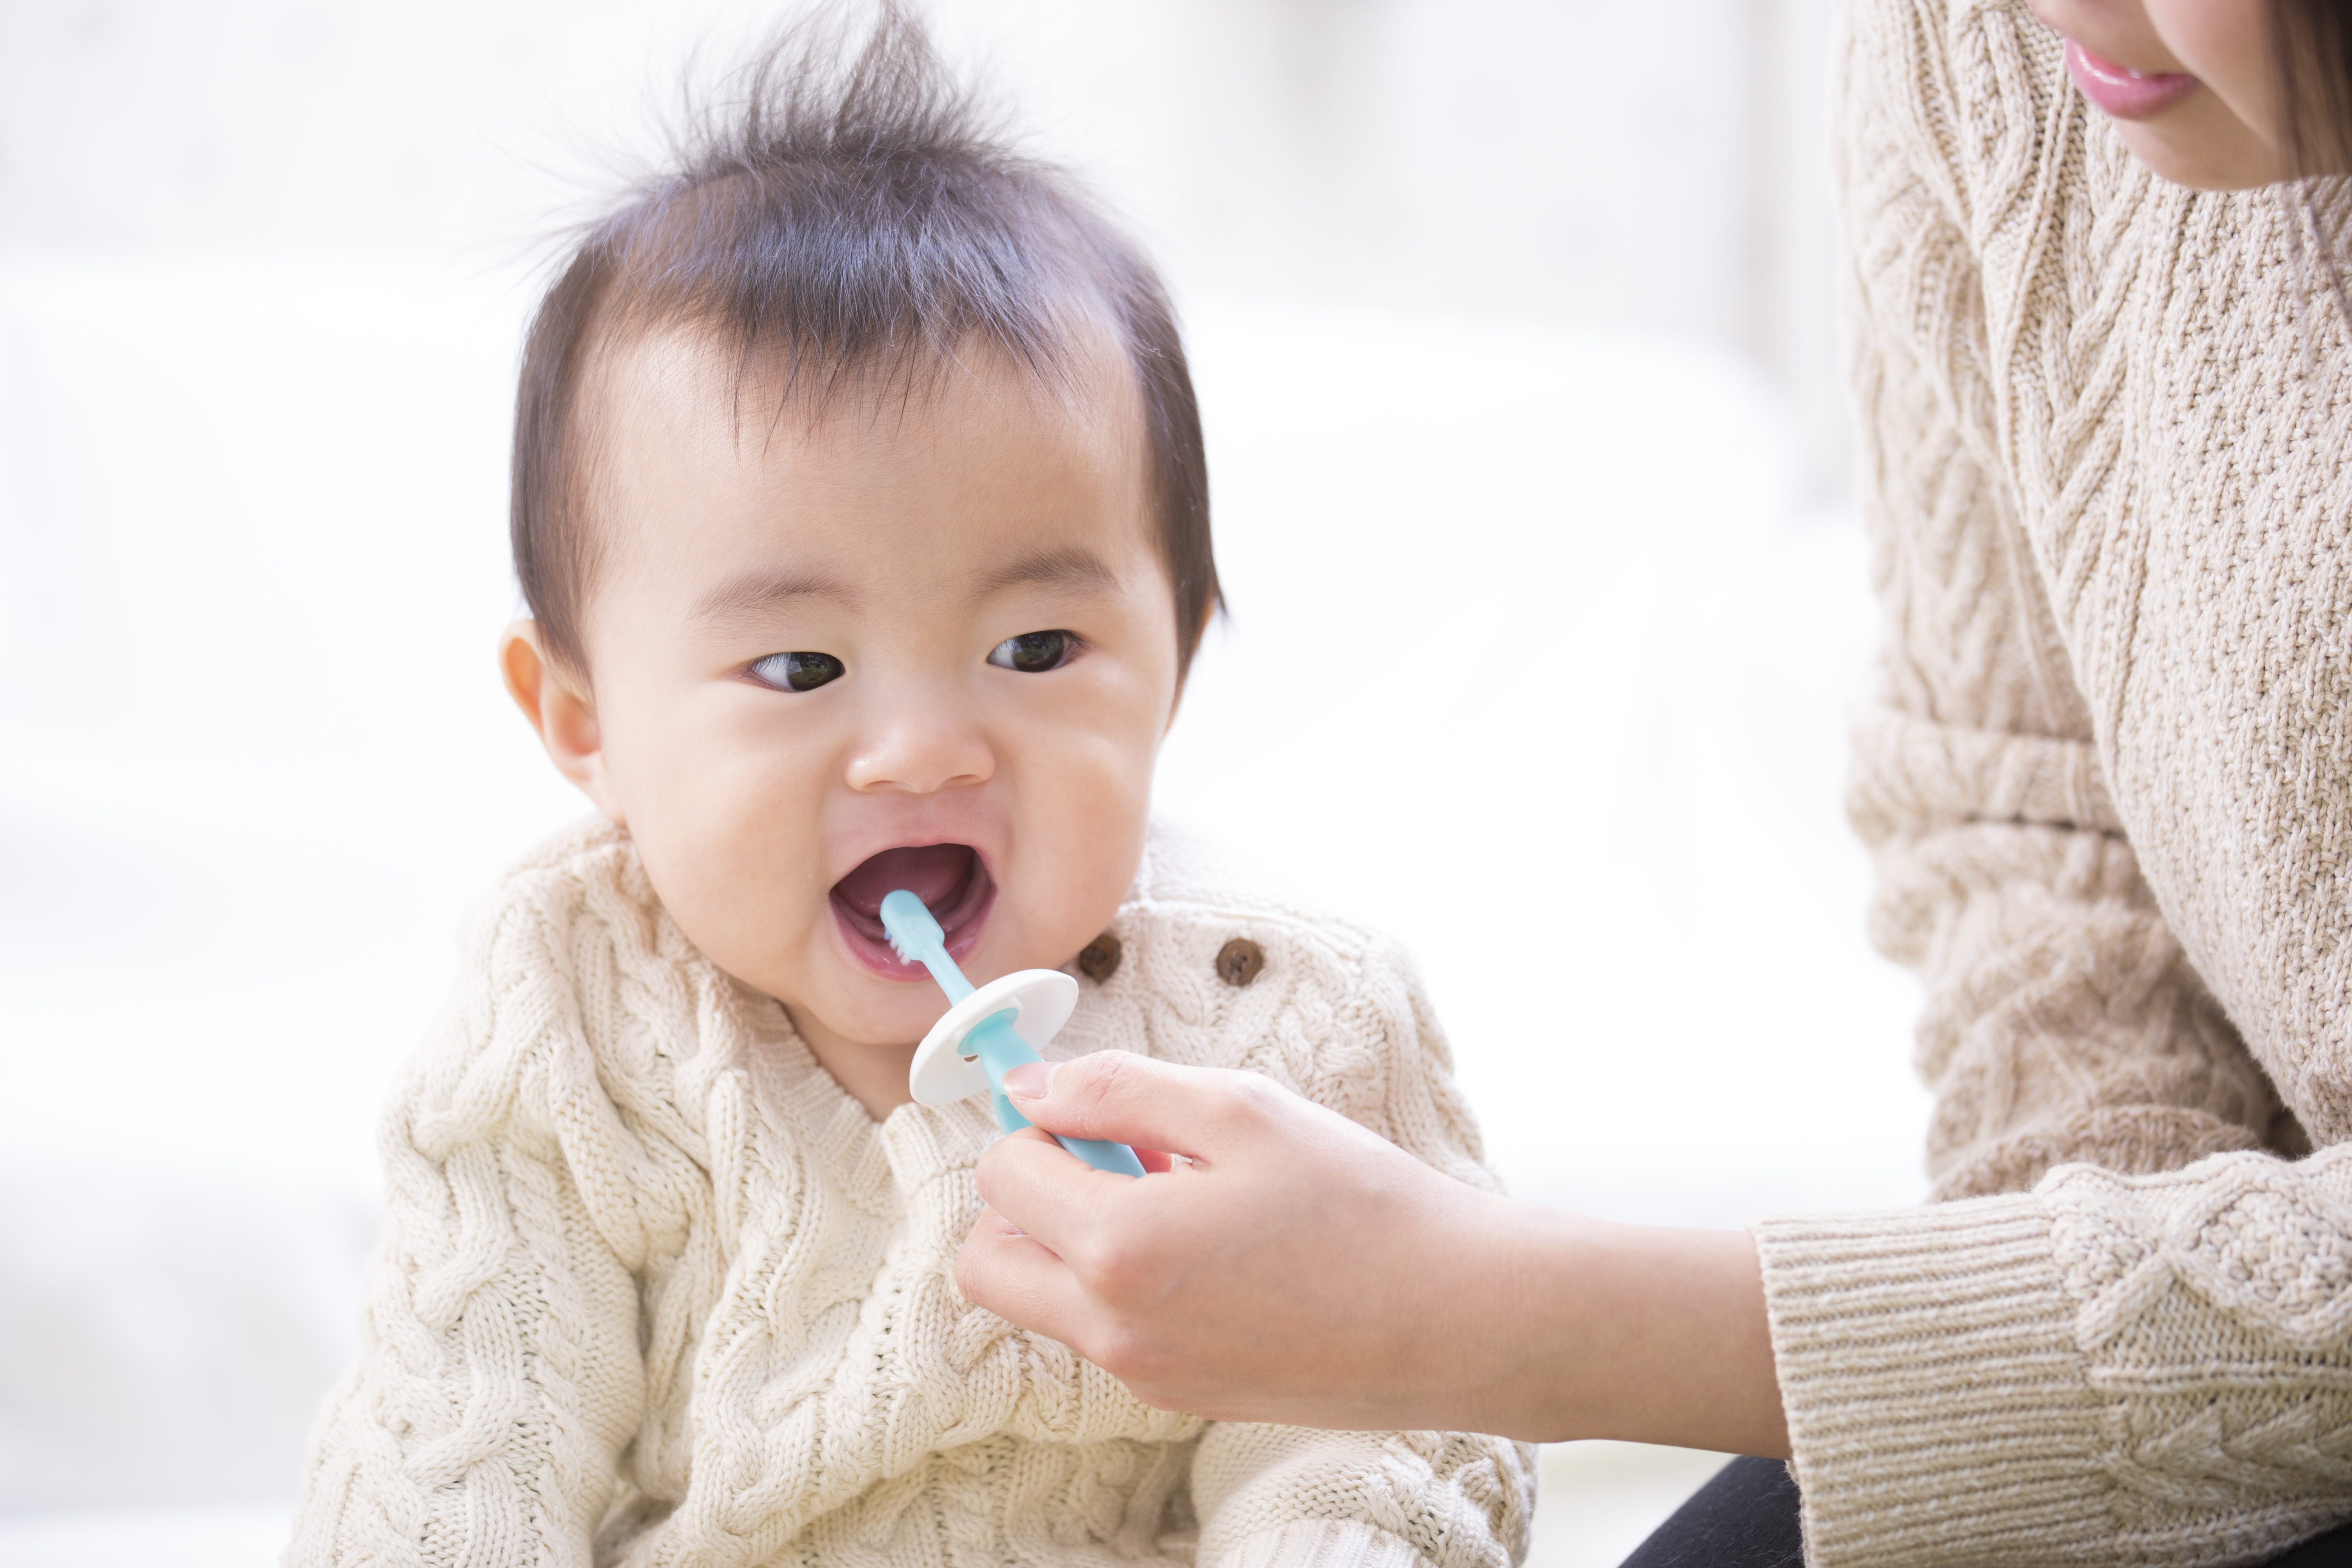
x=926 y=643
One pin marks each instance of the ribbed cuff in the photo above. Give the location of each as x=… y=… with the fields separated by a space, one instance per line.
x=1322 y=1543
x=1936 y=1401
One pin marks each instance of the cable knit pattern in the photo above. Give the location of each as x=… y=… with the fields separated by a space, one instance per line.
x=655 y=1291
x=2107 y=781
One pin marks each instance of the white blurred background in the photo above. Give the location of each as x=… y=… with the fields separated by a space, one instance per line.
x=1512 y=327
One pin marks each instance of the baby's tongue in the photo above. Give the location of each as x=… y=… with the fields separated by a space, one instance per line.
x=932 y=873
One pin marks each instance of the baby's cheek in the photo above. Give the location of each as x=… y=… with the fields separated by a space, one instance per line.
x=734 y=864
x=1093 y=816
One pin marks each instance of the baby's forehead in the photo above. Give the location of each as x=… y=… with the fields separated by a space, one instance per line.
x=690 y=386
x=691 y=442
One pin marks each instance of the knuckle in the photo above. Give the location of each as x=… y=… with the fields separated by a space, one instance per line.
x=1087 y=1258
x=1117 y=1272
x=1249 y=1099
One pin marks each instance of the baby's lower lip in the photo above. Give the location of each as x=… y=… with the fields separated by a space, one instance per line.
x=883 y=959
x=2125 y=94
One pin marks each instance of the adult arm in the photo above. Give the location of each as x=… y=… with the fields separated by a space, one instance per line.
x=1300 y=1269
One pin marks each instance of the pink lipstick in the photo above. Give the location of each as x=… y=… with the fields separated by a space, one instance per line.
x=2125 y=94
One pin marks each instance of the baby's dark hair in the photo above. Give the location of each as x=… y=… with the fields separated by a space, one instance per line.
x=853 y=215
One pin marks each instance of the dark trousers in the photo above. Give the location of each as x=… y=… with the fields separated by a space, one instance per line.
x=1746 y=1518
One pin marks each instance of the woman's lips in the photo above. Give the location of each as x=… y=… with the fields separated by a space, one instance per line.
x=951 y=879
x=2125 y=94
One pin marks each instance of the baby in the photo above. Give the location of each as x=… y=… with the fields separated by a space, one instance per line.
x=860 y=506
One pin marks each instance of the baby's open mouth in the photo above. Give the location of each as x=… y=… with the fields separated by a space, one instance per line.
x=950 y=879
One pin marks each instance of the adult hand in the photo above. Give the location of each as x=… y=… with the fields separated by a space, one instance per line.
x=1293 y=1266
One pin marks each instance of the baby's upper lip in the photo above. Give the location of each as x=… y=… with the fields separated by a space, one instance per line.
x=858 y=852
x=937 y=874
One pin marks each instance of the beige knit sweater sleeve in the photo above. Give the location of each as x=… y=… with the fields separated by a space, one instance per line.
x=500 y=1372
x=2147 y=1358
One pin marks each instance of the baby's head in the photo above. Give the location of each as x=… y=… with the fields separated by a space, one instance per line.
x=860 y=507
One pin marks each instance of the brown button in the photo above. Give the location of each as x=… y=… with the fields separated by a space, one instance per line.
x=1239 y=960
x=1099 y=960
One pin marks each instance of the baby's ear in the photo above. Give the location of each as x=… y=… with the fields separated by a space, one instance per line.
x=561 y=711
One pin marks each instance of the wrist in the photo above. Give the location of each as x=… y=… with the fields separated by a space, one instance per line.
x=1635 y=1332
x=1507 y=1318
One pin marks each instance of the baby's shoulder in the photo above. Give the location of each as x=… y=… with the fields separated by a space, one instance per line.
x=1201 y=921
x=583 y=1038
x=588 y=870
x=572 y=982
x=1202 y=967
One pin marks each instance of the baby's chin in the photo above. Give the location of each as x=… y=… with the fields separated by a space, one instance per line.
x=865 y=1029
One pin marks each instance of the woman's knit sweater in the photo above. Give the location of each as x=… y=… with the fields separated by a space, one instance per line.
x=653 y=1289
x=2107 y=778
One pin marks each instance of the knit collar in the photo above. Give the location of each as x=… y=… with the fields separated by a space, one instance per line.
x=876 y=1161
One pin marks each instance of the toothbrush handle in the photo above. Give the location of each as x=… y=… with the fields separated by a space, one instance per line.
x=1117 y=1158
x=1000 y=1049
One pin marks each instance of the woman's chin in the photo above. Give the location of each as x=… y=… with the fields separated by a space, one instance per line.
x=2202 y=157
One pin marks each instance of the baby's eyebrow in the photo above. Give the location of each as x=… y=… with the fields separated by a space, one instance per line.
x=1073 y=567
x=748 y=593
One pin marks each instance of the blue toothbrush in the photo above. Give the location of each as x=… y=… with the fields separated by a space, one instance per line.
x=988 y=1029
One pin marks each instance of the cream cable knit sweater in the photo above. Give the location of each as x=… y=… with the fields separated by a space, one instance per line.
x=653 y=1289
x=2108 y=781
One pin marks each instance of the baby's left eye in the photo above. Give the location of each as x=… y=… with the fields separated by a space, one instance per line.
x=1033 y=653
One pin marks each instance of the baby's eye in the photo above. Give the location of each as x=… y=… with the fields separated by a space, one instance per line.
x=798 y=671
x=1033 y=653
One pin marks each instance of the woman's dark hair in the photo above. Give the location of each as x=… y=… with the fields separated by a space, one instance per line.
x=2311 y=75
x=2311 y=70
x=850 y=214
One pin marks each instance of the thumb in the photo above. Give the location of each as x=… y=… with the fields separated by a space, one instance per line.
x=1198 y=1112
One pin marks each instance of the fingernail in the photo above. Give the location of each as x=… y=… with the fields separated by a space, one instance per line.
x=1030 y=1080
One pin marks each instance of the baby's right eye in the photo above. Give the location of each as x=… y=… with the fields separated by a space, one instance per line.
x=797 y=671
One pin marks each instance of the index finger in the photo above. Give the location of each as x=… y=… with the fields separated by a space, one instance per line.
x=1124 y=1097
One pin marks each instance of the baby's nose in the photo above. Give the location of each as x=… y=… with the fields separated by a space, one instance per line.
x=920 y=750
